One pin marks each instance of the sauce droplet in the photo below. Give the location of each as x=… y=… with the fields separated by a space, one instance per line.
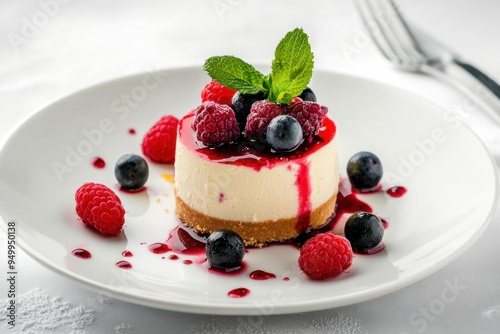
x=158 y=248
x=127 y=253
x=397 y=191
x=261 y=275
x=187 y=262
x=124 y=264
x=98 y=162
x=81 y=253
x=238 y=293
x=131 y=131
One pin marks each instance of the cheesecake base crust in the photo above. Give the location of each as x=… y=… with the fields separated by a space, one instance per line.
x=254 y=234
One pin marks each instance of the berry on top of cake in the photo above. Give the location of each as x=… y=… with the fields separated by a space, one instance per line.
x=264 y=165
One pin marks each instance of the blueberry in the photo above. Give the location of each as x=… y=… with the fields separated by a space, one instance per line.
x=241 y=104
x=308 y=95
x=284 y=133
x=364 y=170
x=131 y=171
x=225 y=249
x=364 y=231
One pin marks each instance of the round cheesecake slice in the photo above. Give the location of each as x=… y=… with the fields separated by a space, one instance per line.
x=264 y=196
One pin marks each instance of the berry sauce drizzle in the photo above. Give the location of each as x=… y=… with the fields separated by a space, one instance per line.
x=182 y=240
x=250 y=153
x=123 y=264
x=261 y=275
x=158 y=248
x=81 y=253
x=131 y=131
x=348 y=202
x=303 y=184
x=238 y=293
x=98 y=163
x=396 y=191
x=127 y=253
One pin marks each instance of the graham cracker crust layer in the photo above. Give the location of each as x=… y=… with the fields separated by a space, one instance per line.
x=253 y=234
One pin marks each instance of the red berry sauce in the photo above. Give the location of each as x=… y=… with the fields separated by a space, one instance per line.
x=98 y=162
x=252 y=154
x=127 y=253
x=173 y=257
x=183 y=240
x=260 y=275
x=81 y=253
x=385 y=223
x=303 y=183
x=238 y=293
x=158 y=248
x=131 y=131
x=124 y=265
x=396 y=191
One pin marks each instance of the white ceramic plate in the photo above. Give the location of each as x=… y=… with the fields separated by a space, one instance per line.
x=450 y=177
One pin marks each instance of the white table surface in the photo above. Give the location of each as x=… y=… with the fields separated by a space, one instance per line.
x=86 y=42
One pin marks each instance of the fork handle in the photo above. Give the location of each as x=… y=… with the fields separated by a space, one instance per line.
x=483 y=90
x=481 y=77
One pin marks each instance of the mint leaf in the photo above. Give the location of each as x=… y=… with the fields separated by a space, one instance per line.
x=291 y=69
x=234 y=73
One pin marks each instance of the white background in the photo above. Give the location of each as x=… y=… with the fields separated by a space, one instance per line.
x=49 y=49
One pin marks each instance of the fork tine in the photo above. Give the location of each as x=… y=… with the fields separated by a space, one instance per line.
x=384 y=18
x=368 y=18
x=404 y=36
x=392 y=36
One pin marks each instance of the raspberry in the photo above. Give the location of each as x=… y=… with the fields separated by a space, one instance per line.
x=159 y=142
x=99 y=207
x=309 y=114
x=325 y=255
x=261 y=114
x=215 y=124
x=215 y=92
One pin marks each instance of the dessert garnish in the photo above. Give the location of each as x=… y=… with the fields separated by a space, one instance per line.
x=364 y=230
x=159 y=142
x=264 y=104
x=131 y=172
x=364 y=170
x=225 y=250
x=325 y=255
x=100 y=208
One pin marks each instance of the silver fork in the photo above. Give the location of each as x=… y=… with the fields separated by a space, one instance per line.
x=409 y=52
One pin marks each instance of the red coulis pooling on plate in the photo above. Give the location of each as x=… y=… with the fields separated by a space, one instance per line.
x=98 y=162
x=81 y=253
x=238 y=293
x=123 y=264
x=261 y=275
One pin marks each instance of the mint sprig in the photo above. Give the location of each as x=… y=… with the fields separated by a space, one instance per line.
x=291 y=70
x=234 y=73
x=292 y=67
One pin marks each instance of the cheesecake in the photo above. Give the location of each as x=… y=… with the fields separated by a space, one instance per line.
x=262 y=195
